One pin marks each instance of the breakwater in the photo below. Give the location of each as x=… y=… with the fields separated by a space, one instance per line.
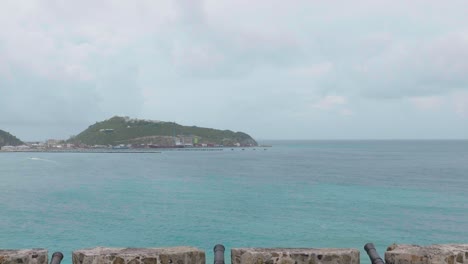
x=395 y=254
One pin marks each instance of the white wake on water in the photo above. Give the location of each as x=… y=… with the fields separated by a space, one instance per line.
x=39 y=159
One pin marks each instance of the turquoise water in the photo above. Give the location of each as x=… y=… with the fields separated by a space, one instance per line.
x=296 y=194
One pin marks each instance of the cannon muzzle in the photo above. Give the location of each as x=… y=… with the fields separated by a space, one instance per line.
x=373 y=255
x=218 y=254
x=56 y=258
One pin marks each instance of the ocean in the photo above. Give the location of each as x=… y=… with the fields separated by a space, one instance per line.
x=294 y=194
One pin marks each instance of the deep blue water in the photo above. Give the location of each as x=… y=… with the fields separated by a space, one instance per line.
x=295 y=194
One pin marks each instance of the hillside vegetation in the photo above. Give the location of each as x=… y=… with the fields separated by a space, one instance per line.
x=7 y=139
x=123 y=130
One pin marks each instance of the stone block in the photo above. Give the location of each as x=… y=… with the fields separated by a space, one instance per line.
x=434 y=254
x=23 y=256
x=175 y=255
x=294 y=256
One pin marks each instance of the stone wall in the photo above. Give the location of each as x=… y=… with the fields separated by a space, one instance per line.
x=175 y=255
x=434 y=254
x=23 y=256
x=294 y=256
x=395 y=254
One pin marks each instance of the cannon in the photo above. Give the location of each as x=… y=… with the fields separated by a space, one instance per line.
x=372 y=253
x=56 y=258
x=218 y=254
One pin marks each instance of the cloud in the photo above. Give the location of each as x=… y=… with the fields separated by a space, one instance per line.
x=57 y=40
x=427 y=102
x=201 y=60
x=330 y=102
x=335 y=104
x=346 y=112
x=30 y=99
x=427 y=67
x=460 y=103
x=315 y=70
x=455 y=102
x=90 y=60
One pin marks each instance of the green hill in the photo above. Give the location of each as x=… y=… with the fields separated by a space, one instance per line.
x=123 y=130
x=7 y=139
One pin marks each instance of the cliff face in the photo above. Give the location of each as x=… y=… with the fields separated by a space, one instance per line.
x=123 y=130
x=7 y=139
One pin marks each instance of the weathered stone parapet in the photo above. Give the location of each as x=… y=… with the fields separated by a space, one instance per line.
x=175 y=255
x=434 y=254
x=294 y=256
x=23 y=256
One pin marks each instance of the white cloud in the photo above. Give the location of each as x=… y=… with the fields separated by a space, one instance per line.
x=460 y=103
x=316 y=70
x=196 y=57
x=346 y=112
x=424 y=67
x=57 y=40
x=330 y=102
x=427 y=102
x=455 y=103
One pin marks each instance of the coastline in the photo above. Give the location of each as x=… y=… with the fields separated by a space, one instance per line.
x=127 y=151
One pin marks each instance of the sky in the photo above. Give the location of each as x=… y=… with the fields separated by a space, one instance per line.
x=363 y=69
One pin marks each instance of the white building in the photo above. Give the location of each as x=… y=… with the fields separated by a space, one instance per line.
x=8 y=148
x=15 y=148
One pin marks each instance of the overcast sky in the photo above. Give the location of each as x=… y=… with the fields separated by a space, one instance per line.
x=272 y=68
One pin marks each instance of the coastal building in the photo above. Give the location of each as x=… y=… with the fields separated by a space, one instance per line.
x=36 y=145
x=52 y=143
x=178 y=141
x=187 y=141
x=15 y=148
x=100 y=146
x=7 y=148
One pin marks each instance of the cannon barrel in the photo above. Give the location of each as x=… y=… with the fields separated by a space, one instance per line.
x=372 y=253
x=56 y=258
x=218 y=254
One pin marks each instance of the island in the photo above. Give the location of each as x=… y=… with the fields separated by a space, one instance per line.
x=141 y=133
x=120 y=133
